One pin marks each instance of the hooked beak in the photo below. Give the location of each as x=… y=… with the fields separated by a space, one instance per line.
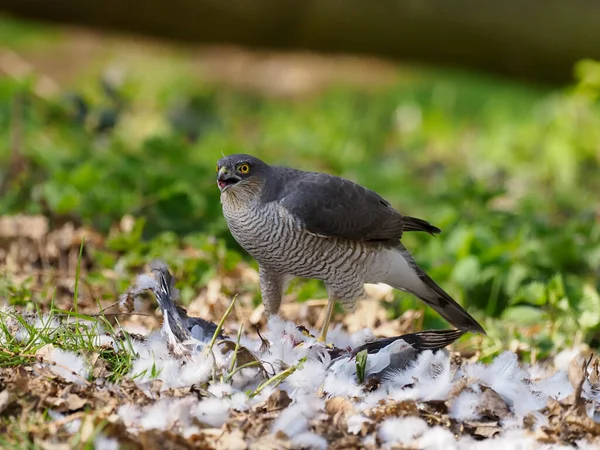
x=225 y=179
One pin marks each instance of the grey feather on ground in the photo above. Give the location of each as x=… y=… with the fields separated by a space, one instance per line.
x=416 y=343
x=420 y=341
x=166 y=294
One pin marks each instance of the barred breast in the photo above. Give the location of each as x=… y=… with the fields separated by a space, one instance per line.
x=279 y=243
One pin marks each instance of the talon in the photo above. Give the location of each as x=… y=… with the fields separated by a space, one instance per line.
x=304 y=331
x=323 y=341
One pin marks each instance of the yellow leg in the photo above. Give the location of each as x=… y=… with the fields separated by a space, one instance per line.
x=329 y=314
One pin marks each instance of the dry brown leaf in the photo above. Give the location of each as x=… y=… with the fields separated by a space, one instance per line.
x=577 y=374
x=484 y=429
x=48 y=445
x=369 y=314
x=244 y=356
x=487 y=431
x=44 y=351
x=71 y=402
x=393 y=409
x=491 y=405
x=270 y=442
x=233 y=440
x=75 y=402
x=278 y=400
x=458 y=387
x=338 y=405
x=583 y=422
x=339 y=409
x=542 y=436
x=22 y=226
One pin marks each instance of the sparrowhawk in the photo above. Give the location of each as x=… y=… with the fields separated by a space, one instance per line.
x=315 y=225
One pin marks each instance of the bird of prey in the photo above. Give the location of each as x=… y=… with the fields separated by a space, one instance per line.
x=314 y=225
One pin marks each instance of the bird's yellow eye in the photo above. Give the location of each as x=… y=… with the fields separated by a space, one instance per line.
x=243 y=168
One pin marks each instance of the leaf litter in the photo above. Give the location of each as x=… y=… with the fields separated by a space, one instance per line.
x=192 y=384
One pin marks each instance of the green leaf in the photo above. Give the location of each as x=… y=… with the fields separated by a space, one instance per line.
x=467 y=272
x=516 y=275
x=534 y=293
x=524 y=315
x=361 y=366
x=589 y=307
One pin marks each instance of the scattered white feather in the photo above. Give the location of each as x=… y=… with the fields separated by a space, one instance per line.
x=220 y=389
x=283 y=330
x=71 y=426
x=102 y=442
x=505 y=376
x=102 y=340
x=525 y=389
x=540 y=371
x=163 y=414
x=239 y=401
x=48 y=322
x=370 y=441
x=70 y=366
x=309 y=441
x=556 y=386
x=177 y=411
x=157 y=416
x=564 y=358
x=361 y=337
x=130 y=415
x=309 y=378
x=511 y=439
x=341 y=339
x=341 y=379
x=593 y=411
x=401 y=430
x=464 y=406
x=212 y=411
x=294 y=419
x=437 y=438
x=156 y=362
x=46 y=325
x=355 y=423
x=429 y=376
x=145 y=281
x=373 y=399
x=583 y=445
x=136 y=328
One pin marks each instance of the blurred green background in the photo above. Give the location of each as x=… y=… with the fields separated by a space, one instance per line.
x=93 y=128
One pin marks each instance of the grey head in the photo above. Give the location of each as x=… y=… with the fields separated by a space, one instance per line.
x=242 y=173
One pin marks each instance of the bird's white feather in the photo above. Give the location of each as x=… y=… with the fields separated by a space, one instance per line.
x=393 y=267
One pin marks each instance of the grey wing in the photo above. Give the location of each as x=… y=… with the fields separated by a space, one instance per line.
x=420 y=341
x=334 y=207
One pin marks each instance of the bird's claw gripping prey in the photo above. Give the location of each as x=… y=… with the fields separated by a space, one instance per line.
x=315 y=225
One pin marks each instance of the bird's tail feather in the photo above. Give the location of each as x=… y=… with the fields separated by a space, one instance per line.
x=447 y=307
x=416 y=224
x=429 y=292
